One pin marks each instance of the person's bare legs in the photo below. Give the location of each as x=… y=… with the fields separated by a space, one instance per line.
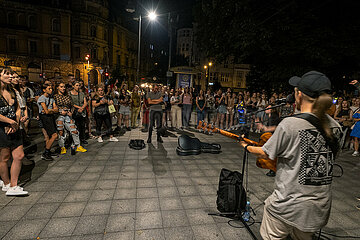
x=222 y=117
x=5 y=154
x=18 y=155
x=51 y=141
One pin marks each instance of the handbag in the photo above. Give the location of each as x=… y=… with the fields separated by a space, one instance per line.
x=112 y=108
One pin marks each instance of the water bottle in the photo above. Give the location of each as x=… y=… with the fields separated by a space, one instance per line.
x=246 y=214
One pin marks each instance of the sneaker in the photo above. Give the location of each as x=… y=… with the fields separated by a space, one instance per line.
x=16 y=191
x=358 y=207
x=73 y=151
x=54 y=154
x=113 y=139
x=80 y=149
x=63 y=150
x=358 y=198
x=356 y=153
x=5 y=187
x=128 y=129
x=159 y=139
x=100 y=140
x=47 y=157
x=1 y=183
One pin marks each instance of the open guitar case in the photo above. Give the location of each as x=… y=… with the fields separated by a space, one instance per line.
x=193 y=146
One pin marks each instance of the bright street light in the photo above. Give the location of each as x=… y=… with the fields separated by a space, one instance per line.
x=152 y=16
x=210 y=64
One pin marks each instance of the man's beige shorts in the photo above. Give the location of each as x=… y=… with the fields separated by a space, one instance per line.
x=273 y=228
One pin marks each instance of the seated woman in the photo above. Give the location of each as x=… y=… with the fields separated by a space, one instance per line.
x=65 y=120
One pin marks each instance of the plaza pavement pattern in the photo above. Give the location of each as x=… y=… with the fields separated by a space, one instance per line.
x=114 y=192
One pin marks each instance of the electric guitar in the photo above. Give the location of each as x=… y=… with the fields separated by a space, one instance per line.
x=260 y=162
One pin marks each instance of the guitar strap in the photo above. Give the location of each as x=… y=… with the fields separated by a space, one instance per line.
x=313 y=120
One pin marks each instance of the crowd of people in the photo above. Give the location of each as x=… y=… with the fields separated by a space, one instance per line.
x=67 y=112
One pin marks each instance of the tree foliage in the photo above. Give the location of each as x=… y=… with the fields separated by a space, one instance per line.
x=282 y=38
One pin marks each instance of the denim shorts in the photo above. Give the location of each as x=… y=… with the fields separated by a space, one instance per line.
x=124 y=110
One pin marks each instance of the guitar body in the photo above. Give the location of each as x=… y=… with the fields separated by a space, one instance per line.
x=260 y=162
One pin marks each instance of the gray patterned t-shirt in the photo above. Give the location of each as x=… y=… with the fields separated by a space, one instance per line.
x=301 y=196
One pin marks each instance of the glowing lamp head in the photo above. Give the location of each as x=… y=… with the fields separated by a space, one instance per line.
x=152 y=16
x=205 y=67
x=210 y=64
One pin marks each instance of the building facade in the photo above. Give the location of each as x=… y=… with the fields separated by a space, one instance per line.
x=53 y=37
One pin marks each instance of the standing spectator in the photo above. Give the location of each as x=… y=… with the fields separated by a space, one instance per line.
x=29 y=96
x=210 y=107
x=230 y=103
x=176 y=110
x=10 y=138
x=135 y=106
x=155 y=100
x=200 y=107
x=167 y=106
x=186 y=107
x=79 y=102
x=221 y=111
x=124 y=110
x=146 y=111
x=356 y=132
x=47 y=111
x=101 y=104
x=65 y=122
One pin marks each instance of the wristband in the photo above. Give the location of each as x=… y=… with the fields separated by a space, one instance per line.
x=246 y=147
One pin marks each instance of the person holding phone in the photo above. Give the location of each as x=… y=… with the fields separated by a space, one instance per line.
x=11 y=144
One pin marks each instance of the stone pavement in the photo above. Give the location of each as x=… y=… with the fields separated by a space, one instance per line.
x=114 y=192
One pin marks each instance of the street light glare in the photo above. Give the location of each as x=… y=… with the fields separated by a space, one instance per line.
x=152 y=16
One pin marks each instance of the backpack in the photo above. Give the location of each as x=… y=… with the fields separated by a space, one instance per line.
x=228 y=194
x=137 y=144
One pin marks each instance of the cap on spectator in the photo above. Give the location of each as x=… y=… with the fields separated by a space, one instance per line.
x=312 y=83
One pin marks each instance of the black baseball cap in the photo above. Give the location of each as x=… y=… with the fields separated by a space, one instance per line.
x=312 y=83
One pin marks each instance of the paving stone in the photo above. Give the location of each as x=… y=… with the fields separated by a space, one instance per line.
x=173 y=203
x=26 y=229
x=199 y=216
x=91 y=224
x=53 y=197
x=175 y=218
x=157 y=234
x=102 y=194
x=179 y=233
x=192 y=202
x=32 y=198
x=168 y=192
x=97 y=208
x=70 y=210
x=146 y=192
x=78 y=196
x=17 y=212
x=207 y=232
x=42 y=211
x=128 y=235
x=130 y=183
x=89 y=237
x=84 y=185
x=187 y=190
x=148 y=220
x=125 y=193
x=58 y=227
x=123 y=206
x=147 y=205
x=183 y=181
x=89 y=176
x=106 y=184
x=5 y=227
x=120 y=222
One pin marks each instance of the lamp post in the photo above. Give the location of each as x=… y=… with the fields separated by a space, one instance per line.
x=207 y=67
x=87 y=58
x=152 y=16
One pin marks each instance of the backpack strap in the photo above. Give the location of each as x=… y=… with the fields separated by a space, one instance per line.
x=313 y=120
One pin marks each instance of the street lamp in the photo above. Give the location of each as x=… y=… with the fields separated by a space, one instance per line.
x=152 y=16
x=208 y=73
x=87 y=58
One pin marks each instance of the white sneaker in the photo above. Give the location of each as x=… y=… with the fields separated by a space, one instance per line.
x=100 y=140
x=356 y=153
x=1 y=183
x=113 y=139
x=4 y=187
x=16 y=191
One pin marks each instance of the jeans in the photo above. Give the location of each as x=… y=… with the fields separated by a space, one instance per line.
x=200 y=116
x=80 y=125
x=99 y=121
x=155 y=116
x=186 y=112
x=68 y=124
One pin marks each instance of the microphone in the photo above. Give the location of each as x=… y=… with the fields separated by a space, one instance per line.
x=289 y=99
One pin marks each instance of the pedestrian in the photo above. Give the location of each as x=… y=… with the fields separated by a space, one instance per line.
x=155 y=100
x=135 y=105
x=186 y=107
x=200 y=107
x=10 y=138
x=65 y=122
x=124 y=110
x=79 y=115
x=300 y=204
x=47 y=111
x=175 y=102
x=101 y=104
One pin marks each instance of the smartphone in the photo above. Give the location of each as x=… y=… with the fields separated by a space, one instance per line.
x=335 y=100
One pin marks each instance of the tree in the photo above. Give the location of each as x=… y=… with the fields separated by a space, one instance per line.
x=282 y=38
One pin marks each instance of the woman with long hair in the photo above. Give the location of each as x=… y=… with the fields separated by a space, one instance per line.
x=101 y=104
x=79 y=115
x=186 y=107
x=176 y=109
x=230 y=103
x=200 y=107
x=221 y=111
x=65 y=122
x=10 y=137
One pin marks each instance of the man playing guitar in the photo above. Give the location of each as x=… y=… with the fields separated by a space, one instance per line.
x=301 y=201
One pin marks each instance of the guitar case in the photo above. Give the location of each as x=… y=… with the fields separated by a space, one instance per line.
x=193 y=146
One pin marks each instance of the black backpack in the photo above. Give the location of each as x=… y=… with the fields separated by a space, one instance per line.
x=228 y=194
